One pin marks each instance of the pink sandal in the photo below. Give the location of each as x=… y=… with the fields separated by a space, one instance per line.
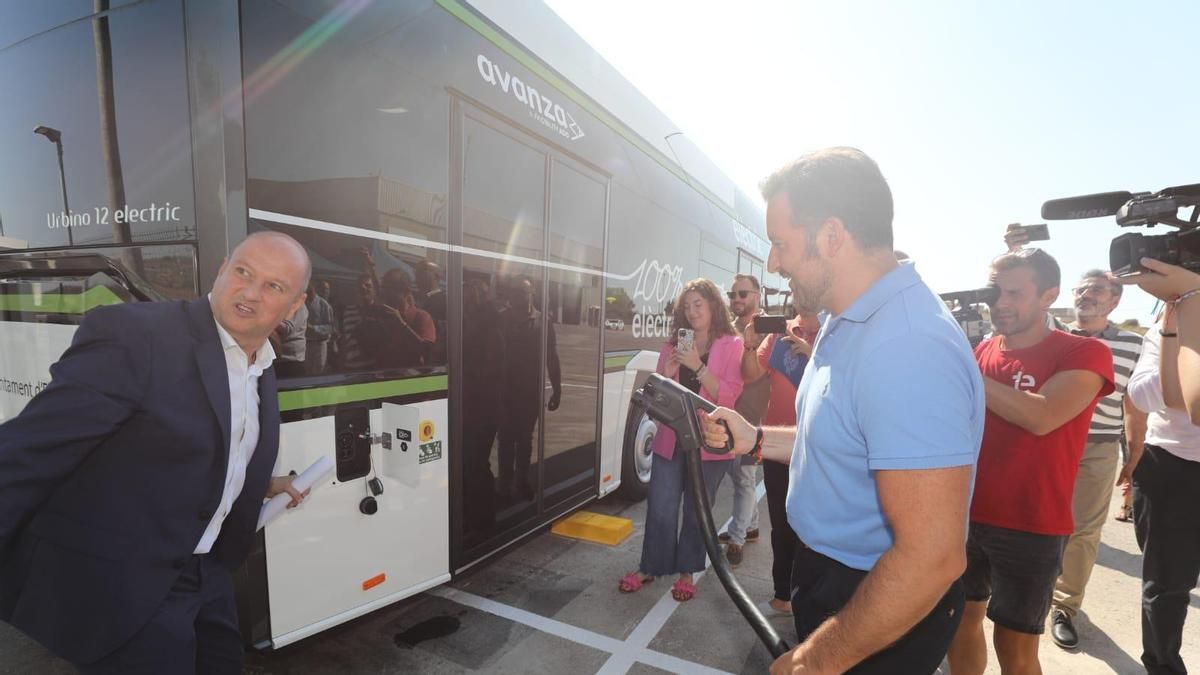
x=633 y=582
x=683 y=591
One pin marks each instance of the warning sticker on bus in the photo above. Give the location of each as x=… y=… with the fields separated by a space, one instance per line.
x=431 y=452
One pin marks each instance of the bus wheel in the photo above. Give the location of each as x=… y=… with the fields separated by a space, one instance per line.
x=636 y=456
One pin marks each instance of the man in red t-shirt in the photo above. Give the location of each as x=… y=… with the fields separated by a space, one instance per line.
x=792 y=350
x=1041 y=386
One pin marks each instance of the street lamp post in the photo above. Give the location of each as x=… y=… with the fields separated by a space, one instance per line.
x=55 y=137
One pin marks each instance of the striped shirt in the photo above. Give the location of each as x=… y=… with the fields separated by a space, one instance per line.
x=1108 y=420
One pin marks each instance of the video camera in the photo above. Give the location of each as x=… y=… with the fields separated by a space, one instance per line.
x=1133 y=209
x=964 y=305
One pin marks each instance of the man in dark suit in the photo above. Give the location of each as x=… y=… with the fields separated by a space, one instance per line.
x=130 y=487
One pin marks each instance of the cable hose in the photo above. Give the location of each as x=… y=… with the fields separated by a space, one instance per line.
x=699 y=496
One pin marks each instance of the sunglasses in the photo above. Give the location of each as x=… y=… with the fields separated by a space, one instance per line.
x=739 y=294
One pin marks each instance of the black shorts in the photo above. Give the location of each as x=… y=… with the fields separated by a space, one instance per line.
x=821 y=586
x=1017 y=570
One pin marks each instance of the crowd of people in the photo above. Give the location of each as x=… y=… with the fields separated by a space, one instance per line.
x=898 y=521
x=914 y=486
x=390 y=323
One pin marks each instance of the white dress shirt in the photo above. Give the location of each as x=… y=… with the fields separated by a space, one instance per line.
x=243 y=425
x=1168 y=428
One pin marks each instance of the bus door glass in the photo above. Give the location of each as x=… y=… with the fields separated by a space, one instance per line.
x=503 y=320
x=578 y=199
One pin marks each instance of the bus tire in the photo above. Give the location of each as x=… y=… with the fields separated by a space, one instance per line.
x=636 y=455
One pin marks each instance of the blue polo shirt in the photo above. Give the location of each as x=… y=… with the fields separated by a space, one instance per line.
x=892 y=385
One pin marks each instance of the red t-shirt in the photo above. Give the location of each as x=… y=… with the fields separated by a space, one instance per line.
x=1023 y=481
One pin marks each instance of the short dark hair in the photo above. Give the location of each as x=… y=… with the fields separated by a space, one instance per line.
x=748 y=277
x=838 y=182
x=1046 y=274
x=1116 y=286
x=396 y=281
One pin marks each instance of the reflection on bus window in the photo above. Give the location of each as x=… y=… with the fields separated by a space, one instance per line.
x=367 y=310
x=96 y=149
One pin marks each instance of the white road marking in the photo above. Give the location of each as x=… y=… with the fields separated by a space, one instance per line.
x=624 y=653
x=650 y=626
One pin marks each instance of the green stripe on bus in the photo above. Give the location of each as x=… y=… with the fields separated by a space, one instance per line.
x=570 y=91
x=59 y=303
x=312 y=398
x=617 y=361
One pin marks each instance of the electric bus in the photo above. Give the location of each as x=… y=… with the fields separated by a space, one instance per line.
x=475 y=169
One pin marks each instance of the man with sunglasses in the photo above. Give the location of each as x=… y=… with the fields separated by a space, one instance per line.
x=1096 y=297
x=751 y=404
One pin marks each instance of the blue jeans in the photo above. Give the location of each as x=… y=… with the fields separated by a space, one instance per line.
x=745 y=501
x=667 y=548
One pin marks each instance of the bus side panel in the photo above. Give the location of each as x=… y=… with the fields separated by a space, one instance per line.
x=616 y=403
x=26 y=352
x=329 y=561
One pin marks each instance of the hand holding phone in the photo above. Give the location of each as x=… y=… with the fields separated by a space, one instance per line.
x=1018 y=235
x=686 y=340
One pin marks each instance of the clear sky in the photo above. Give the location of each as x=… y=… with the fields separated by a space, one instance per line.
x=977 y=112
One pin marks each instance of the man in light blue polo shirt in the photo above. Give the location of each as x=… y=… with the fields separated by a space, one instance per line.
x=890 y=414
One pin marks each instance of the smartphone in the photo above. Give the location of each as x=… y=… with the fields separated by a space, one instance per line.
x=687 y=338
x=765 y=325
x=1039 y=232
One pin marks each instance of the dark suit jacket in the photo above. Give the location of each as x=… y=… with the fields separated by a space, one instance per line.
x=109 y=477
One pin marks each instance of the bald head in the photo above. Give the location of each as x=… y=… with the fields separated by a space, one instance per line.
x=280 y=244
x=260 y=285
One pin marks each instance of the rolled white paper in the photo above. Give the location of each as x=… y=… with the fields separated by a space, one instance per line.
x=277 y=504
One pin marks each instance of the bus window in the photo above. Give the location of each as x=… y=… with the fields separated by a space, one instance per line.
x=354 y=168
x=102 y=155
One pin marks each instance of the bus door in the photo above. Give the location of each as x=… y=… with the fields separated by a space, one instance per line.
x=528 y=223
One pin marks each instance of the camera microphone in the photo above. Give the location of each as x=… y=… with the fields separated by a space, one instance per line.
x=1086 y=206
x=1134 y=209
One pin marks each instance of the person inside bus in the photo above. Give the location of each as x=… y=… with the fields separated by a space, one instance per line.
x=351 y=356
x=709 y=363
x=521 y=324
x=780 y=359
x=319 y=333
x=394 y=332
x=431 y=298
x=290 y=344
x=483 y=399
x=130 y=486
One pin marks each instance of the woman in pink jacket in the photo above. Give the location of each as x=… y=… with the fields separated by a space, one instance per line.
x=711 y=368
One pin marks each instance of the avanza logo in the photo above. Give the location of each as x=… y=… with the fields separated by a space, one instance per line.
x=541 y=108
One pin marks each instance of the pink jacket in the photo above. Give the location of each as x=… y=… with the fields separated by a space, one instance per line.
x=725 y=361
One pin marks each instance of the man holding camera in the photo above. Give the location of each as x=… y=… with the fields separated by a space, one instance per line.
x=1166 y=480
x=879 y=491
x=1042 y=386
x=1096 y=296
x=751 y=404
x=779 y=359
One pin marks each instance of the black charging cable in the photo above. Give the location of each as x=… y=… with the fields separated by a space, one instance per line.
x=667 y=402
